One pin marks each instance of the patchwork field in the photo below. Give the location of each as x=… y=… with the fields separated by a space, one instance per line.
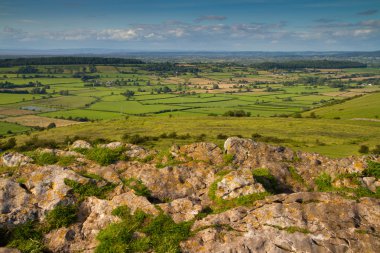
x=309 y=109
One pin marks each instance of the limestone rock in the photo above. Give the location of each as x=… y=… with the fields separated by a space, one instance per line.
x=17 y=205
x=137 y=152
x=15 y=159
x=48 y=187
x=201 y=151
x=300 y=222
x=238 y=183
x=81 y=144
x=181 y=209
x=112 y=145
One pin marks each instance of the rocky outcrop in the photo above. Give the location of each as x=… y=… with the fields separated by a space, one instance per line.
x=137 y=152
x=202 y=151
x=222 y=196
x=15 y=159
x=181 y=209
x=112 y=145
x=81 y=144
x=238 y=183
x=299 y=222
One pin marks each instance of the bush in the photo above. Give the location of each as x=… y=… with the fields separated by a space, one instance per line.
x=61 y=216
x=51 y=125
x=363 y=149
x=9 y=144
x=376 y=150
x=221 y=136
x=237 y=113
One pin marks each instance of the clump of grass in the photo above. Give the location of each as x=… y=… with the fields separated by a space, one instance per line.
x=292 y=229
x=323 y=182
x=297 y=177
x=89 y=189
x=228 y=159
x=372 y=170
x=26 y=237
x=104 y=156
x=45 y=158
x=138 y=186
x=66 y=160
x=61 y=216
x=159 y=234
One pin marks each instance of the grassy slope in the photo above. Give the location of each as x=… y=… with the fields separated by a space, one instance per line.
x=340 y=138
x=367 y=106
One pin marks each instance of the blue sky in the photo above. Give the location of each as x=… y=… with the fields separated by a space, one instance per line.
x=193 y=25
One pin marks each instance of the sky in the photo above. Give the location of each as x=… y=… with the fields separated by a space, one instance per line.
x=192 y=25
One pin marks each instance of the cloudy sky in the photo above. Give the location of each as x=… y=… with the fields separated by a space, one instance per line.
x=178 y=25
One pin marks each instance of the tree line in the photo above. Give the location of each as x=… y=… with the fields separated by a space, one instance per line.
x=61 y=60
x=301 y=64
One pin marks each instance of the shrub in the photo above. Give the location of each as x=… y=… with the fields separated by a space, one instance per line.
x=221 y=136
x=9 y=144
x=376 y=150
x=51 y=125
x=61 y=216
x=237 y=113
x=363 y=149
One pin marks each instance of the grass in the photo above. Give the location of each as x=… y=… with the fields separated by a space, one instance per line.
x=342 y=137
x=61 y=216
x=7 y=128
x=221 y=205
x=264 y=177
x=138 y=186
x=372 y=170
x=45 y=158
x=363 y=107
x=89 y=189
x=159 y=234
x=104 y=156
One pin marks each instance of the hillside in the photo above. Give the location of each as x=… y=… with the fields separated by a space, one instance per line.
x=248 y=197
x=364 y=107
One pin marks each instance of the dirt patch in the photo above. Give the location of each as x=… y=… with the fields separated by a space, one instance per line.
x=33 y=120
x=14 y=112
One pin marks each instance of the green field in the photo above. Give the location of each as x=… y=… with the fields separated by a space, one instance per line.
x=367 y=106
x=10 y=128
x=164 y=101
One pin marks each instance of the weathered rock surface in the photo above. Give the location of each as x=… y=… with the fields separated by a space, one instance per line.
x=137 y=152
x=238 y=183
x=181 y=209
x=299 y=222
x=81 y=144
x=202 y=151
x=290 y=220
x=15 y=159
x=112 y=145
